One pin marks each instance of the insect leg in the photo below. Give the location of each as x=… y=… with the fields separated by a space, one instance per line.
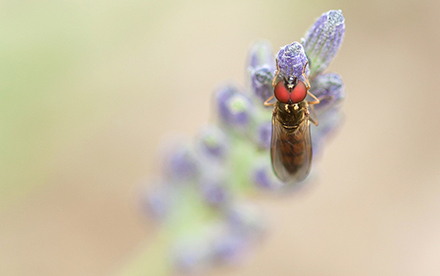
x=307 y=83
x=316 y=101
x=312 y=119
x=267 y=103
x=276 y=75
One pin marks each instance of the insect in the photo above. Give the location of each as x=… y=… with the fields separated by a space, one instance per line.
x=291 y=147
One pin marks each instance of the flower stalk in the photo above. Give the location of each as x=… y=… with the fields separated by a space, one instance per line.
x=200 y=199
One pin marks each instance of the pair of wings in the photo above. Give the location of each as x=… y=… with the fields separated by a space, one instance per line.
x=291 y=151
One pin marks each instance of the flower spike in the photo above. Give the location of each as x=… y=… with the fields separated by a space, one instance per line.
x=323 y=39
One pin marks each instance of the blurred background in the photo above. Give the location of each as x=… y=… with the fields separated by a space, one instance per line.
x=89 y=88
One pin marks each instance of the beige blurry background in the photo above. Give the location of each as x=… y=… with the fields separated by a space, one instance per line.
x=86 y=89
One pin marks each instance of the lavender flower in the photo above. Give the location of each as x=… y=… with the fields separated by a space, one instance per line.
x=328 y=126
x=157 y=201
x=207 y=221
x=215 y=191
x=180 y=163
x=330 y=90
x=213 y=143
x=261 y=69
x=261 y=54
x=264 y=132
x=234 y=107
x=263 y=176
x=324 y=39
x=262 y=81
x=291 y=61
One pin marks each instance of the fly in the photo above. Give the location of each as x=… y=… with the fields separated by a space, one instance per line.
x=291 y=146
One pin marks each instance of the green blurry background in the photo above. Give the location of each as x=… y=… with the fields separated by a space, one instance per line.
x=89 y=89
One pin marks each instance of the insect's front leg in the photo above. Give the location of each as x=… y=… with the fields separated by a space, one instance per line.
x=267 y=103
x=316 y=100
x=274 y=83
x=306 y=80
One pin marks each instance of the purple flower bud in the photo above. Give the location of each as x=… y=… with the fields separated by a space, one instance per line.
x=261 y=82
x=214 y=191
x=291 y=61
x=157 y=203
x=213 y=142
x=221 y=98
x=193 y=254
x=329 y=89
x=261 y=68
x=239 y=108
x=158 y=199
x=246 y=220
x=264 y=178
x=230 y=248
x=264 y=133
x=261 y=54
x=181 y=163
x=235 y=108
x=328 y=125
x=323 y=39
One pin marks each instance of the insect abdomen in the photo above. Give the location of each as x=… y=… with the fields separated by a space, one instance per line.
x=294 y=151
x=291 y=145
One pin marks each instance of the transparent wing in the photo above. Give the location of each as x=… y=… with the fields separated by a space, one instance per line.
x=291 y=151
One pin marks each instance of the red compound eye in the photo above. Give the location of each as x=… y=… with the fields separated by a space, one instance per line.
x=299 y=93
x=281 y=92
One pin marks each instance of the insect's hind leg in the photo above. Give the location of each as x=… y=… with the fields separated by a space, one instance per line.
x=312 y=119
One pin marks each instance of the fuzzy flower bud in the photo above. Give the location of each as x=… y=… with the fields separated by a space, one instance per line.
x=323 y=39
x=328 y=125
x=261 y=54
x=329 y=88
x=264 y=133
x=181 y=163
x=213 y=142
x=261 y=69
x=214 y=191
x=235 y=108
x=261 y=82
x=157 y=202
x=291 y=61
x=230 y=247
x=264 y=178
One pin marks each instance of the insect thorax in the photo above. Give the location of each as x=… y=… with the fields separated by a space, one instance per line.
x=291 y=115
